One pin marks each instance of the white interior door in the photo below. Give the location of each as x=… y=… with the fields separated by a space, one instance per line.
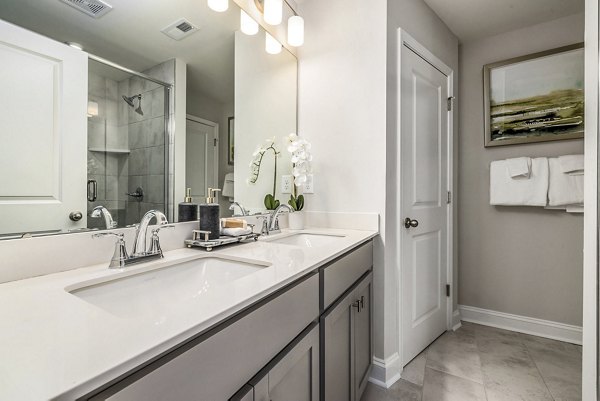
x=201 y=162
x=424 y=186
x=43 y=130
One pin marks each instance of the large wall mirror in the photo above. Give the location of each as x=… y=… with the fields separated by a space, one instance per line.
x=157 y=99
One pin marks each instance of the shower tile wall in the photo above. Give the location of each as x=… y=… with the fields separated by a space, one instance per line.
x=146 y=142
x=106 y=137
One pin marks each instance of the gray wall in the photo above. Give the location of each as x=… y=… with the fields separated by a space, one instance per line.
x=519 y=260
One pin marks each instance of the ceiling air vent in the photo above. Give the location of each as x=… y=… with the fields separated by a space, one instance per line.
x=179 y=29
x=93 y=8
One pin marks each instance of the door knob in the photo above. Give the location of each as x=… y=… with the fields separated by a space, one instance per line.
x=76 y=216
x=408 y=223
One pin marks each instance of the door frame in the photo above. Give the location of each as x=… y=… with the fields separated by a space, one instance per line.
x=215 y=127
x=404 y=39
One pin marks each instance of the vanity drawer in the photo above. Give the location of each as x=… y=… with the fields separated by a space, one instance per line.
x=341 y=274
x=216 y=365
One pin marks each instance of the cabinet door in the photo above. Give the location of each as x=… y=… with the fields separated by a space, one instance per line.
x=363 y=334
x=294 y=374
x=338 y=337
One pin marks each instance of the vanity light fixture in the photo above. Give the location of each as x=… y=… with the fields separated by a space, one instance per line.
x=295 y=31
x=75 y=45
x=247 y=24
x=272 y=46
x=273 y=11
x=218 y=5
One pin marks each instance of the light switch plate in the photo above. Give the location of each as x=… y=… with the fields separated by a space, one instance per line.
x=286 y=184
x=309 y=185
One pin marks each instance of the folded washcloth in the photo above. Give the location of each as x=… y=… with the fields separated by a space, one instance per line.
x=563 y=189
x=572 y=164
x=236 y=232
x=507 y=191
x=519 y=167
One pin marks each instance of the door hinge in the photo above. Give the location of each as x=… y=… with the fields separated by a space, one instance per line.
x=449 y=197
x=449 y=103
x=215 y=141
x=447 y=290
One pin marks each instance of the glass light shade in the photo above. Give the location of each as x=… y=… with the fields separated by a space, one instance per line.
x=218 y=5
x=296 y=31
x=273 y=11
x=247 y=24
x=92 y=110
x=272 y=46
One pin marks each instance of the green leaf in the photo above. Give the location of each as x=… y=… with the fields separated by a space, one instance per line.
x=300 y=202
x=292 y=203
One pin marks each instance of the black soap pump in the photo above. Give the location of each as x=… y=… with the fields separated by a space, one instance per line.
x=210 y=215
x=188 y=211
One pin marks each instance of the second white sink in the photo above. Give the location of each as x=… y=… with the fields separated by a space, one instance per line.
x=154 y=292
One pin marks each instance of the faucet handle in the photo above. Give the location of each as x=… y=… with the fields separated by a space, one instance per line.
x=120 y=255
x=265 y=224
x=155 y=248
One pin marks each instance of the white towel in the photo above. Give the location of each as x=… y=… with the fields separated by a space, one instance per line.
x=519 y=167
x=236 y=232
x=563 y=189
x=572 y=164
x=504 y=190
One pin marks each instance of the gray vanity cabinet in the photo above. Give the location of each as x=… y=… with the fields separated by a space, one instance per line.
x=347 y=349
x=294 y=374
x=217 y=364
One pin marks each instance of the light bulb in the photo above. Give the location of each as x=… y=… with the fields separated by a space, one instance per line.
x=218 y=5
x=247 y=24
x=272 y=46
x=273 y=11
x=296 y=31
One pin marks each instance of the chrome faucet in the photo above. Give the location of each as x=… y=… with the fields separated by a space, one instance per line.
x=101 y=211
x=140 y=253
x=274 y=221
x=239 y=205
x=141 y=233
x=270 y=223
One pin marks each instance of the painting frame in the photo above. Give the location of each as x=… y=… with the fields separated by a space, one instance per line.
x=540 y=136
x=230 y=140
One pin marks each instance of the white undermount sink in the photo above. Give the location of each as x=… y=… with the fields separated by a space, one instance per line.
x=306 y=240
x=156 y=292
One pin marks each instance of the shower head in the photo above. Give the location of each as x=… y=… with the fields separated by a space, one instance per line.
x=129 y=100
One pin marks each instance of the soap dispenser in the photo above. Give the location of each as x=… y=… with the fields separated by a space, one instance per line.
x=210 y=215
x=188 y=211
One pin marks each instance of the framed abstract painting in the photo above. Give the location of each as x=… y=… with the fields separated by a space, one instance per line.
x=535 y=98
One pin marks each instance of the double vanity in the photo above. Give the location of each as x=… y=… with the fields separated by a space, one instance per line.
x=287 y=314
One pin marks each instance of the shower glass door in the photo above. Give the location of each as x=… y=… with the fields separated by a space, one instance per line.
x=127 y=158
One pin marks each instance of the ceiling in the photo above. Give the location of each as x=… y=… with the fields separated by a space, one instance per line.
x=131 y=35
x=473 y=19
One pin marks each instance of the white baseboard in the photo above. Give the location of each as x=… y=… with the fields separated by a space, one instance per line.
x=522 y=324
x=385 y=372
x=456 y=323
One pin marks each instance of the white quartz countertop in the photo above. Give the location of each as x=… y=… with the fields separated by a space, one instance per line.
x=55 y=345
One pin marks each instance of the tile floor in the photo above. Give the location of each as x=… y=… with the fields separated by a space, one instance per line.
x=479 y=363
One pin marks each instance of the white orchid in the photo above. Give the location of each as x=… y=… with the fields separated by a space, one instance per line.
x=257 y=157
x=301 y=158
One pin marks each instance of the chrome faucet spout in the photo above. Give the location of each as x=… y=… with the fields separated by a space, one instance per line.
x=274 y=224
x=101 y=211
x=139 y=247
x=239 y=205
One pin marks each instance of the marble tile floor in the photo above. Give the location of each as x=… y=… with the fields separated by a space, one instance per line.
x=479 y=363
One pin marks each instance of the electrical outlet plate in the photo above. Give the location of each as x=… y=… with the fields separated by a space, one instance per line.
x=309 y=185
x=286 y=184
